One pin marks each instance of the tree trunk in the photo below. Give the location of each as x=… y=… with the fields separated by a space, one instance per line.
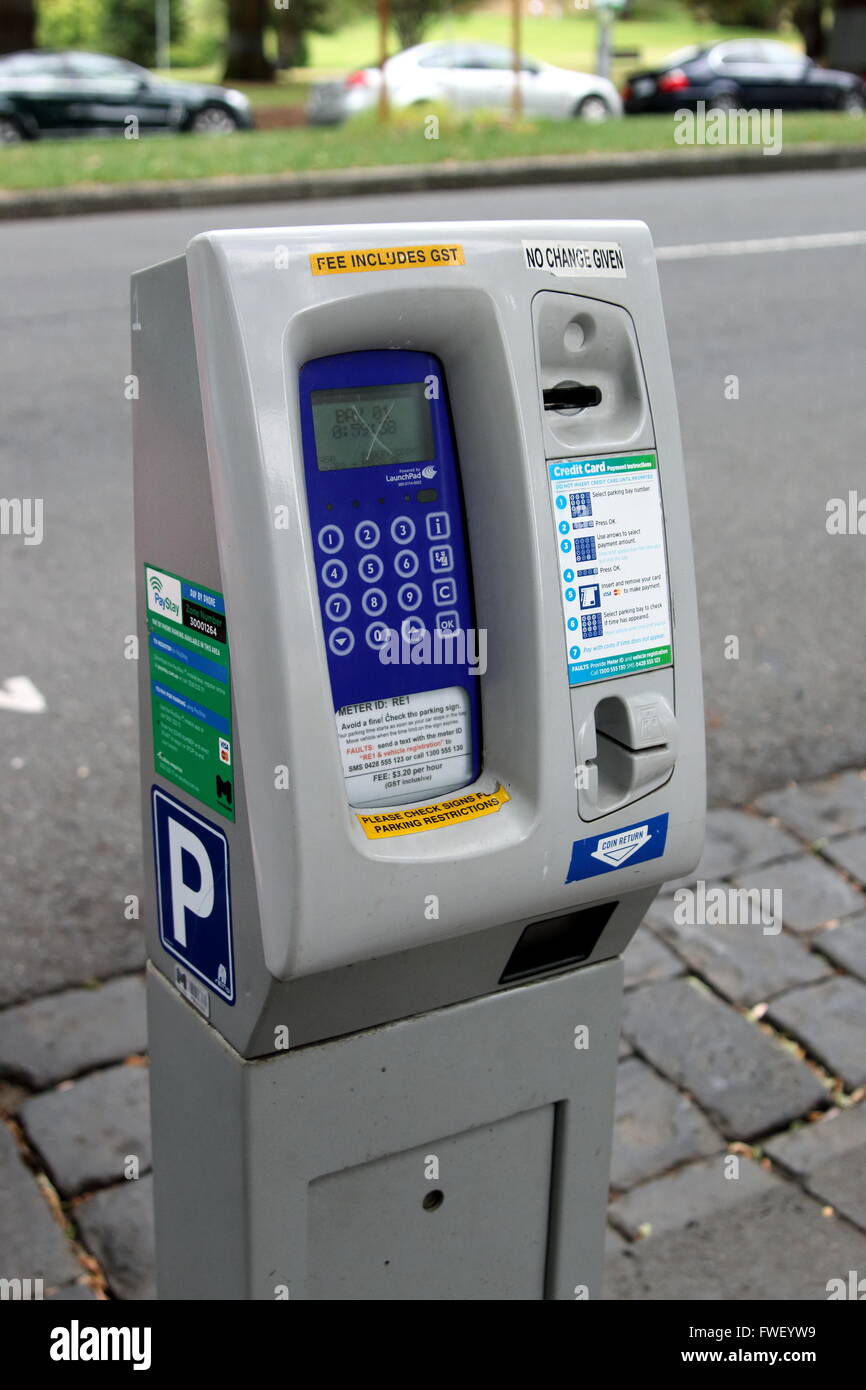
x=809 y=19
x=245 y=59
x=17 y=25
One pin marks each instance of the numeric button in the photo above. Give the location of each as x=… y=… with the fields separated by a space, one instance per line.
x=334 y=574
x=406 y=563
x=367 y=534
x=378 y=635
x=370 y=568
x=402 y=530
x=331 y=539
x=374 y=602
x=409 y=597
x=338 y=608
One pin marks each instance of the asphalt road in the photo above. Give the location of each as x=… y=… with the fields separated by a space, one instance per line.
x=788 y=321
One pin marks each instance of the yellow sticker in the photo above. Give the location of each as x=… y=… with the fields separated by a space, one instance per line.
x=384 y=824
x=385 y=258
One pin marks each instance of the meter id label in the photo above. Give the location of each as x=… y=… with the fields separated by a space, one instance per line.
x=610 y=540
x=406 y=747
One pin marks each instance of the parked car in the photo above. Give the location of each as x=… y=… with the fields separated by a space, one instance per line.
x=466 y=77
x=45 y=93
x=743 y=73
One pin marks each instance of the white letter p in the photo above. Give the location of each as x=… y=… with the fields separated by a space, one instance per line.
x=200 y=900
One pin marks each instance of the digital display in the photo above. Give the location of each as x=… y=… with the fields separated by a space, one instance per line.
x=357 y=427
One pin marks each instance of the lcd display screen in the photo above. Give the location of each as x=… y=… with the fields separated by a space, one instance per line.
x=360 y=426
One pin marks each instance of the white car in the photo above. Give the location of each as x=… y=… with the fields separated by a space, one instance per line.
x=466 y=77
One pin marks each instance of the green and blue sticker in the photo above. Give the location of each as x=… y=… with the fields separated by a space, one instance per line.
x=190 y=688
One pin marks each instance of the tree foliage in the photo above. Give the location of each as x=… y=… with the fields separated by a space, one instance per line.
x=294 y=22
x=749 y=14
x=129 y=28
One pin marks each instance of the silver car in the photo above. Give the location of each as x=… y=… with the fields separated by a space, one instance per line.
x=466 y=77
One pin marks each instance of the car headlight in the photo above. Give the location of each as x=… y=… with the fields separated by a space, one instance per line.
x=235 y=98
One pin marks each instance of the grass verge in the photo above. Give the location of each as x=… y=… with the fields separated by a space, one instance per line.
x=362 y=144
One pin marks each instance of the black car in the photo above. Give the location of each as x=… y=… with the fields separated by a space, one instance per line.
x=45 y=93
x=742 y=73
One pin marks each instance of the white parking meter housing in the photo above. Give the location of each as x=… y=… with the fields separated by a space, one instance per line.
x=422 y=727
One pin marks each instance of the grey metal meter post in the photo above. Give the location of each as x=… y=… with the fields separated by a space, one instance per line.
x=421 y=737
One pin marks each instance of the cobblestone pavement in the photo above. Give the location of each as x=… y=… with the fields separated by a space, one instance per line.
x=739 y=1161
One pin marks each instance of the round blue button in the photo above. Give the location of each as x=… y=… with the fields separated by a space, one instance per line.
x=330 y=539
x=338 y=607
x=564 y=528
x=406 y=563
x=374 y=601
x=571 y=595
x=565 y=547
x=334 y=574
x=568 y=575
x=409 y=597
x=574 y=653
x=370 y=568
x=561 y=503
x=572 y=624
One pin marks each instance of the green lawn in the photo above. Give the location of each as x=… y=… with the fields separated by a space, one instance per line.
x=360 y=144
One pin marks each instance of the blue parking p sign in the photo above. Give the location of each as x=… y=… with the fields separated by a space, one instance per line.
x=193 y=893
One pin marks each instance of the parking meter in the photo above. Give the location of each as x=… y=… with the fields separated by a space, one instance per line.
x=421 y=738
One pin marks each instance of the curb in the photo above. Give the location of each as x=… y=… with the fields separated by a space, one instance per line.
x=410 y=178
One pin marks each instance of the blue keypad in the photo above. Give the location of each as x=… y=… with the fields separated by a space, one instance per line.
x=402 y=568
x=590 y=625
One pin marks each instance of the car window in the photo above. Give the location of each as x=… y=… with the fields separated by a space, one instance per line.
x=445 y=57
x=739 y=53
x=494 y=59
x=99 y=65
x=782 y=53
x=31 y=65
x=682 y=55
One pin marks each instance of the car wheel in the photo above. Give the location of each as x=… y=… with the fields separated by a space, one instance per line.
x=10 y=131
x=852 y=102
x=593 y=109
x=723 y=101
x=213 y=120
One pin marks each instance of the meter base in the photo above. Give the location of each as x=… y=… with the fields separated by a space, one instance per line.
x=457 y=1155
